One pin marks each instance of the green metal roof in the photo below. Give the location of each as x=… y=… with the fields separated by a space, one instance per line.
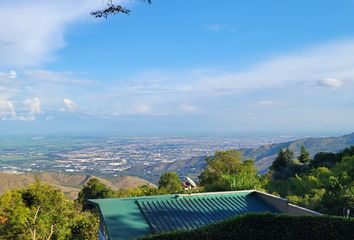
x=128 y=218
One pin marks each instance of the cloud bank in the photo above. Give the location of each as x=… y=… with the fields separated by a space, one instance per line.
x=330 y=83
x=32 y=30
x=287 y=89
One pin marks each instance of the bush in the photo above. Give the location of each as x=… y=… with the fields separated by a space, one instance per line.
x=268 y=226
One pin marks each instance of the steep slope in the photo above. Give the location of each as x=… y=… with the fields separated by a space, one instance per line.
x=70 y=184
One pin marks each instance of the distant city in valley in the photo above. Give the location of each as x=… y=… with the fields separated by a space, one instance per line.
x=145 y=157
x=113 y=156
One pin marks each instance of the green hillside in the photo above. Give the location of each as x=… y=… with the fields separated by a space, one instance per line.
x=265 y=155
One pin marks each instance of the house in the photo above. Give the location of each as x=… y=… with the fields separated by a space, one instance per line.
x=129 y=218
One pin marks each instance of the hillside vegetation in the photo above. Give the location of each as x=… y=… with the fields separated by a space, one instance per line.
x=265 y=155
x=70 y=184
x=324 y=183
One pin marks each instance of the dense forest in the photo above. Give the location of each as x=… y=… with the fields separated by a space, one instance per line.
x=324 y=183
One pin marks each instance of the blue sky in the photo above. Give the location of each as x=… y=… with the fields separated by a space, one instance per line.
x=177 y=67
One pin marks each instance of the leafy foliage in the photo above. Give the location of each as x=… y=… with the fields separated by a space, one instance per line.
x=284 y=165
x=304 y=156
x=113 y=9
x=170 y=182
x=268 y=226
x=43 y=212
x=226 y=171
x=327 y=185
x=94 y=189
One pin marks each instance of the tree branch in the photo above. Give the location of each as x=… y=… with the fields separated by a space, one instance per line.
x=113 y=9
x=51 y=232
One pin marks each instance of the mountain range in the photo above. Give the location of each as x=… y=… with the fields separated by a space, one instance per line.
x=263 y=156
x=192 y=167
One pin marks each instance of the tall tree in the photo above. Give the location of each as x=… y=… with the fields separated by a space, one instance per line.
x=283 y=166
x=304 y=156
x=284 y=158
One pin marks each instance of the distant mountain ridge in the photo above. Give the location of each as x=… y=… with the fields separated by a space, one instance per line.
x=192 y=167
x=70 y=184
x=265 y=155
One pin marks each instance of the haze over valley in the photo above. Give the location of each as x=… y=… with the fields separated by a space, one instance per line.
x=144 y=157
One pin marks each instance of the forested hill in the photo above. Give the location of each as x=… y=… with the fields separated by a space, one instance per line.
x=265 y=155
x=70 y=184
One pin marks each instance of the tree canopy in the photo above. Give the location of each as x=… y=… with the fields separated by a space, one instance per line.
x=325 y=185
x=170 y=182
x=226 y=171
x=43 y=212
x=304 y=156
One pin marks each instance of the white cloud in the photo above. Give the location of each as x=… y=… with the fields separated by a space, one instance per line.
x=329 y=83
x=69 y=105
x=7 y=110
x=187 y=108
x=334 y=59
x=284 y=78
x=10 y=75
x=34 y=106
x=263 y=103
x=32 y=30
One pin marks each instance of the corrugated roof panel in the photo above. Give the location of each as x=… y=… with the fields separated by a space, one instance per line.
x=191 y=212
x=128 y=218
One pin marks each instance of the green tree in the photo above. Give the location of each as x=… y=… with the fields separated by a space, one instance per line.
x=226 y=171
x=328 y=190
x=245 y=179
x=39 y=212
x=325 y=159
x=85 y=226
x=170 y=182
x=283 y=164
x=304 y=156
x=347 y=152
x=94 y=189
x=284 y=158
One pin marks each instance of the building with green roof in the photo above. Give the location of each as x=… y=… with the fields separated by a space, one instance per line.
x=129 y=218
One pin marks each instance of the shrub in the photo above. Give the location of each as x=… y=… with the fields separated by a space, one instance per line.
x=268 y=226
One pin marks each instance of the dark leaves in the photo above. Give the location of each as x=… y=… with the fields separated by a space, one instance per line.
x=113 y=9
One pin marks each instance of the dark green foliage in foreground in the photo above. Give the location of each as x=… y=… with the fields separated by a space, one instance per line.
x=268 y=226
